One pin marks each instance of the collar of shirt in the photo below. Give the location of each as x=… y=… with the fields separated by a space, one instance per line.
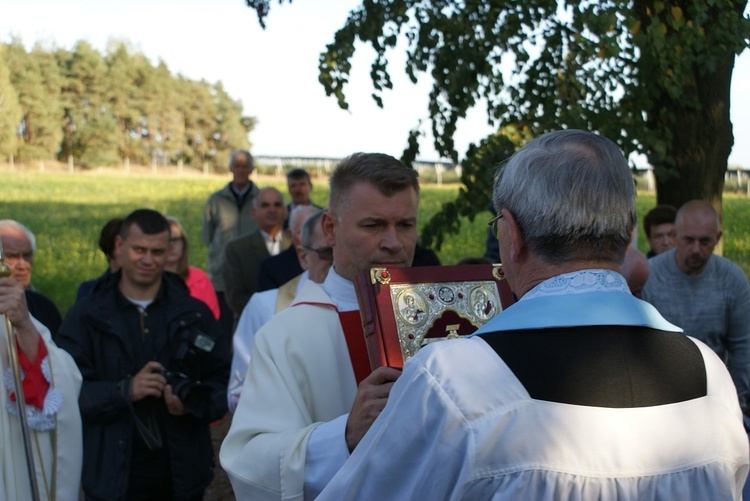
x=273 y=243
x=240 y=193
x=123 y=302
x=142 y=305
x=240 y=196
x=341 y=291
x=581 y=298
x=579 y=282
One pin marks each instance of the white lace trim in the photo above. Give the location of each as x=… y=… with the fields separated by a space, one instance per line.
x=38 y=419
x=47 y=370
x=579 y=282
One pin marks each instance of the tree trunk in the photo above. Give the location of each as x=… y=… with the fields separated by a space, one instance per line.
x=687 y=76
x=701 y=141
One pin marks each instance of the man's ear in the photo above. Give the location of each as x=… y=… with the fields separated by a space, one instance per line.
x=718 y=236
x=517 y=240
x=328 y=224
x=301 y=256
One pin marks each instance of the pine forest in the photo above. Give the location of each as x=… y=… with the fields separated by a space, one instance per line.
x=90 y=109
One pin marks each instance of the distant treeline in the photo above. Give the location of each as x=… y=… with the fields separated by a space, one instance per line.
x=107 y=110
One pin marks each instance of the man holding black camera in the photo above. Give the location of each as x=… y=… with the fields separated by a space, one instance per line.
x=155 y=365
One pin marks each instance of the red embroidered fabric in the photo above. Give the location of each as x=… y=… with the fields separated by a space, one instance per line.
x=35 y=385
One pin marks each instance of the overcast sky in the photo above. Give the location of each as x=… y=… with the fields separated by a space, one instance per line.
x=274 y=72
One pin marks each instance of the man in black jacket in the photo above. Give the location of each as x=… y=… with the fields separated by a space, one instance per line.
x=155 y=365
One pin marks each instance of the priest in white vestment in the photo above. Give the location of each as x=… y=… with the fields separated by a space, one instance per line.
x=579 y=391
x=51 y=383
x=301 y=411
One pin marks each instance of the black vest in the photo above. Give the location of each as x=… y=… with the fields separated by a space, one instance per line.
x=604 y=366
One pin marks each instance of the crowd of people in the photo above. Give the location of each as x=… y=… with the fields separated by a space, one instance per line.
x=615 y=375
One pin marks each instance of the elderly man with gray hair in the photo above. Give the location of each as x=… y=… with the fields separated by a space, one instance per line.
x=577 y=391
x=51 y=429
x=227 y=216
x=19 y=246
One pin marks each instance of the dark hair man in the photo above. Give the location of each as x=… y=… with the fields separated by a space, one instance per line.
x=301 y=411
x=155 y=364
x=577 y=391
x=299 y=184
x=658 y=224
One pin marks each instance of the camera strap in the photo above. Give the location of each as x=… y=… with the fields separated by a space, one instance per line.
x=149 y=431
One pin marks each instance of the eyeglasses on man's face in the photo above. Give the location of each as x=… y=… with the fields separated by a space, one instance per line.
x=493 y=223
x=324 y=253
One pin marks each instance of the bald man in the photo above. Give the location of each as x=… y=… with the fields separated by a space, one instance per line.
x=242 y=256
x=275 y=271
x=707 y=295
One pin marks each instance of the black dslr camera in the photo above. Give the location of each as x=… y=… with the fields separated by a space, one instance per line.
x=195 y=396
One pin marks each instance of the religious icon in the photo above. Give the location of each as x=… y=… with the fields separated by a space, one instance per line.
x=411 y=308
x=482 y=304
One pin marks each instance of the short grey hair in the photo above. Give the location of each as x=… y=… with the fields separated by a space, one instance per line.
x=247 y=154
x=299 y=215
x=308 y=228
x=10 y=223
x=573 y=197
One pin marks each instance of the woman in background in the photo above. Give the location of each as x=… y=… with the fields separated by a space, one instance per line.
x=196 y=279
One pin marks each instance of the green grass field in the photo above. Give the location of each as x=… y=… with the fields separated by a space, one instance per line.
x=66 y=213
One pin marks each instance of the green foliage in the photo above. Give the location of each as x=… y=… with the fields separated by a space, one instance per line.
x=652 y=75
x=735 y=226
x=96 y=142
x=10 y=111
x=475 y=193
x=103 y=110
x=687 y=51
x=36 y=79
x=468 y=236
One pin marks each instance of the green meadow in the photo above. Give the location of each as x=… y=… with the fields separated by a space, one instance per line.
x=66 y=213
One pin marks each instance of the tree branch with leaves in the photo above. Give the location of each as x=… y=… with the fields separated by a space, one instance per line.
x=652 y=75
